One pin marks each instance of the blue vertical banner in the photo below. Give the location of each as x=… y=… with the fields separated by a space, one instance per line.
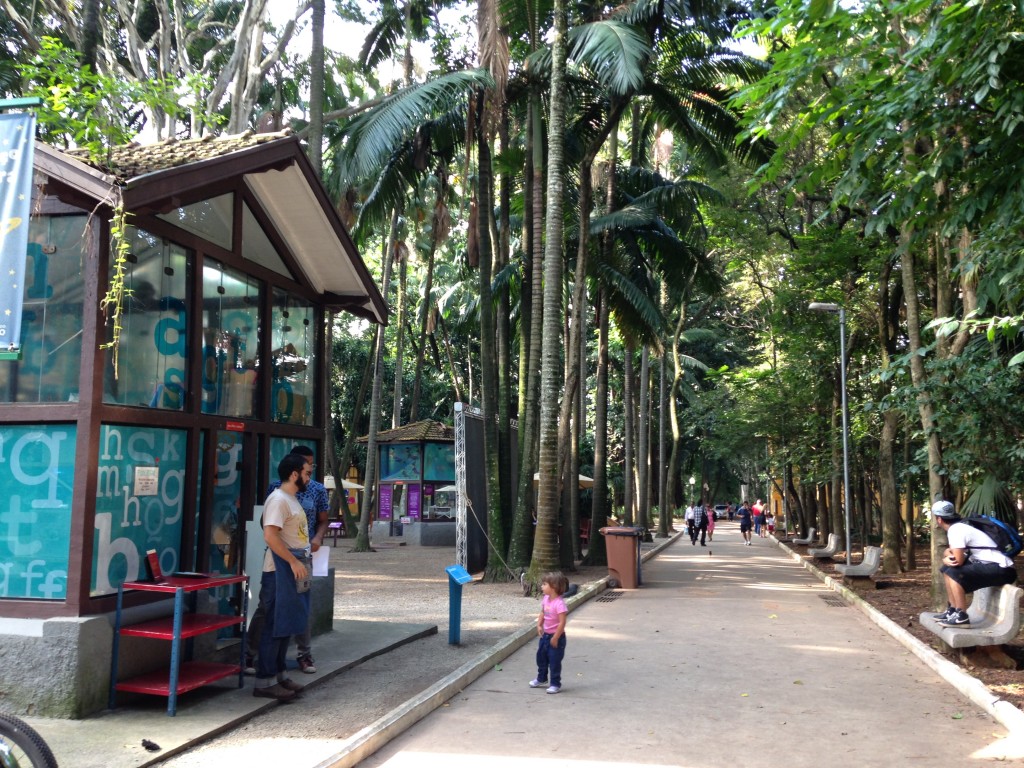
x=16 y=145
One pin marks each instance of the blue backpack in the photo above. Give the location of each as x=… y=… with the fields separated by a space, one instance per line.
x=1007 y=539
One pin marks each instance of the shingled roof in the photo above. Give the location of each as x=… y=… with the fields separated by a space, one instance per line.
x=154 y=179
x=130 y=161
x=416 y=432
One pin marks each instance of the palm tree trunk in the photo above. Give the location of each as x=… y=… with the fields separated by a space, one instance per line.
x=545 y=551
x=629 y=427
x=488 y=364
x=597 y=553
x=643 y=465
x=529 y=415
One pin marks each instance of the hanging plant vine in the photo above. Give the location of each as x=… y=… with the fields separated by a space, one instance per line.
x=112 y=303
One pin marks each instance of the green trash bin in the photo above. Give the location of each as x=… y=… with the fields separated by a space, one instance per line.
x=623 y=545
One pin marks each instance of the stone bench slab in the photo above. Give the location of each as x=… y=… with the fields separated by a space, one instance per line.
x=995 y=619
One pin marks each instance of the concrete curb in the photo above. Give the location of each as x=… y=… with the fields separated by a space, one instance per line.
x=367 y=741
x=1008 y=715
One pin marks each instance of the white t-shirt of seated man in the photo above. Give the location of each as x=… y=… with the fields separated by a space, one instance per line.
x=980 y=546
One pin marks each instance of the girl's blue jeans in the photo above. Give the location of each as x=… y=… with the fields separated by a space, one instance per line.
x=550 y=659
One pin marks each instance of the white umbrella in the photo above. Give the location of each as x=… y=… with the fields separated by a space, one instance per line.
x=348 y=485
x=447 y=489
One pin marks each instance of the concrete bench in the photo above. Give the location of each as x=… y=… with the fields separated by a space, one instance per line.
x=995 y=619
x=812 y=538
x=860 y=574
x=828 y=551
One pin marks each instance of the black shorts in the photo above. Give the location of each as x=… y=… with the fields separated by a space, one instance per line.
x=744 y=527
x=974 y=576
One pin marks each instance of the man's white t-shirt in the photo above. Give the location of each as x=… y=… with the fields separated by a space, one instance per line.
x=981 y=548
x=284 y=511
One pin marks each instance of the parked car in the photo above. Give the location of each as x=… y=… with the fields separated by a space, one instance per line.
x=721 y=511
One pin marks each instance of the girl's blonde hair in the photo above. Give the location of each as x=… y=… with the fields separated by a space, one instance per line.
x=556 y=580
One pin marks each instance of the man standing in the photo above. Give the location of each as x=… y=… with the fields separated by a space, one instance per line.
x=744 y=515
x=314 y=501
x=972 y=561
x=758 y=512
x=287 y=610
x=700 y=524
x=689 y=523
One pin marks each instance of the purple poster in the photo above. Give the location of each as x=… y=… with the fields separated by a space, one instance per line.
x=384 y=506
x=414 y=501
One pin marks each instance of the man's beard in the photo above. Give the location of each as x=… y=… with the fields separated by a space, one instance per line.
x=300 y=484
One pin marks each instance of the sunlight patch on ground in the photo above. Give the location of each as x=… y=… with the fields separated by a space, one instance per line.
x=776 y=587
x=831 y=649
x=447 y=760
x=1008 y=748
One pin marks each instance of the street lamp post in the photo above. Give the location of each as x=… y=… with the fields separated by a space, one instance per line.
x=818 y=306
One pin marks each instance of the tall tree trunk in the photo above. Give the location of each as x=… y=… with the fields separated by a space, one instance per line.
x=597 y=553
x=643 y=463
x=345 y=459
x=545 y=551
x=315 y=137
x=506 y=452
x=400 y=323
x=629 y=438
x=530 y=379
x=496 y=549
x=438 y=229
x=369 y=492
x=925 y=408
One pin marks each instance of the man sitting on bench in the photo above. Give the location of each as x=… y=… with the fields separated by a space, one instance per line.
x=972 y=561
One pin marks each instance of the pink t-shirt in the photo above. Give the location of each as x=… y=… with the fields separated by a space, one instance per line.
x=551 y=607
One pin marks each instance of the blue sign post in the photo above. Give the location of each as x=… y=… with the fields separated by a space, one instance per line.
x=457 y=576
x=17 y=142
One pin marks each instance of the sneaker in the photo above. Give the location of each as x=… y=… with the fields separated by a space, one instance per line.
x=276 y=691
x=956 y=618
x=250 y=664
x=944 y=615
x=306 y=663
x=538 y=683
x=554 y=688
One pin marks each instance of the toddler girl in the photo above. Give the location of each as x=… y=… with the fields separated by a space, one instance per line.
x=551 y=631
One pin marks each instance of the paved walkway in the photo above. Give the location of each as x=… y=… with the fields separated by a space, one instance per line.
x=727 y=656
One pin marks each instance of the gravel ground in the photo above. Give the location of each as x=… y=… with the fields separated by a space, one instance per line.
x=394 y=583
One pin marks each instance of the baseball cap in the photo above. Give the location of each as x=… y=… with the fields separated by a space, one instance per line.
x=943 y=509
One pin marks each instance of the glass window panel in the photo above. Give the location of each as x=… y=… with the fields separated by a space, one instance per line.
x=51 y=357
x=210 y=219
x=256 y=246
x=38 y=473
x=152 y=355
x=439 y=462
x=134 y=514
x=293 y=341
x=400 y=462
x=231 y=303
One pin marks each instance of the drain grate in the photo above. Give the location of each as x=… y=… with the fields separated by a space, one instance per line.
x=609 y=596
x=834 y=602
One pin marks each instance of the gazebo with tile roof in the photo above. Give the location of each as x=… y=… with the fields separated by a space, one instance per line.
x=234 y=258
x=413 y=462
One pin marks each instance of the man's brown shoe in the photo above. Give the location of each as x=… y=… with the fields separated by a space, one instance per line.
x=277 y=691
x=291 y=685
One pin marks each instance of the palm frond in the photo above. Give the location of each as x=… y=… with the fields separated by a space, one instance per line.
x=373 y=135
x=615 y=52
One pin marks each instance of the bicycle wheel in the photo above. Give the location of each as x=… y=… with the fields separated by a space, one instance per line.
x=21 y=746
